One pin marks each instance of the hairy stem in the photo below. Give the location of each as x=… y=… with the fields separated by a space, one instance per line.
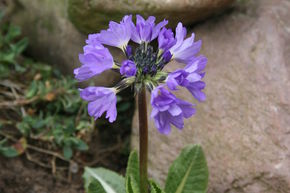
x=143 y=141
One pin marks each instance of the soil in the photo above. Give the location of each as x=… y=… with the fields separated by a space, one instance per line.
x=109 y=149
x=18 y=175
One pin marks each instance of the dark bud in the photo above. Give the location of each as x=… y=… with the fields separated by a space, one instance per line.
x=166 y=56
x=145 y=70
x=153 y=70
x=128 y=51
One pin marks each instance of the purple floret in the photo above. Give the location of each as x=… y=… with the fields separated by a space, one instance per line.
x=146 y=30
x=128 y=68
x=118 y=34
x=95 y=59
x=93 y=39
x=100 y=100
x=167 y=110
x=166 y=39
x=185 y=49
x=190 y=78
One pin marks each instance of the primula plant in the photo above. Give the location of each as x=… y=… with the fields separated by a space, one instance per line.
x=143 y=70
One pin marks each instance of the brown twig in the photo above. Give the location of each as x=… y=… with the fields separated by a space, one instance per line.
x=17 y=97
x=53 y=166
x=8 y=136
x=41 y=135
x=52 y=153
x=112 y=148
x=6 y=94
x=57 y=155
x=18 y=102
x=6 y=122
x=10 y=84
x=78 y=117
x=23 y=101
x=29 y=157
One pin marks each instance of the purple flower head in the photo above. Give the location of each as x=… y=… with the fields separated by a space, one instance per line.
x=190 y=78
x=118 y=34
x=128 y=68
x=184 y=50
x=142 y=68
x=95 y=59
x=100 y=100
x=167 y=110
x=166 y=39
x=146 y=30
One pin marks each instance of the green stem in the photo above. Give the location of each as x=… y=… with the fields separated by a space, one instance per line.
x=143 y=141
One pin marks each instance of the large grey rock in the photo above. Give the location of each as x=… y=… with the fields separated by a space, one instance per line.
x=57 y=28
x=244 y=125
x=86 y=14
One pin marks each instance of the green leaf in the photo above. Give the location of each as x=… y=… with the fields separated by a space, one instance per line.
x=81 y=145
x=32 y=90
x=131 y=185
x=189 y=172
x=6 y=150
x=132 y=174
x=9 y=152
x=67 y=152
x=96 y=187
x=7 y=57
x=38 y=123
x=23 y=127
x=19 y=68
x=12 y=33
x=155 y=188
x=20 y=46
x=110 y=181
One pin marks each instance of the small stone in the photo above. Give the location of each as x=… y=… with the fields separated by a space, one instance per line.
x=73 y=167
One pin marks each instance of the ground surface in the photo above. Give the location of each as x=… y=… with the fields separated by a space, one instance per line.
x=108 y=147
x=20 y=175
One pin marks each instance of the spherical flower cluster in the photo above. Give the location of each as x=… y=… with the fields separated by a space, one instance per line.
x=143 y=66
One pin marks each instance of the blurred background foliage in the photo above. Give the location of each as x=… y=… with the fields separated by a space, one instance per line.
x=40 y=110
